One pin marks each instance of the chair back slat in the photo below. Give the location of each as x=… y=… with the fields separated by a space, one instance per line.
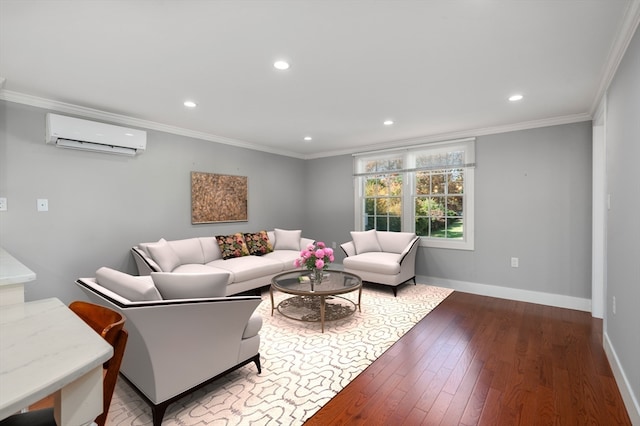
x=110 y=325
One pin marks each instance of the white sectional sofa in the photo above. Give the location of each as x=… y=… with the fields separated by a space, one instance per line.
x=382 y=257
x=204 y=254
x=180 y=344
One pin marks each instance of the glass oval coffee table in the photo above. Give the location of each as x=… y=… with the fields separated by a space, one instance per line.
x=313 y=301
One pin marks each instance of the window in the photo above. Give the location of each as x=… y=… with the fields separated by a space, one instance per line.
x=426 y=189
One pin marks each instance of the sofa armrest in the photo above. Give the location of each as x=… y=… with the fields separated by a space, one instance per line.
x=253 y=326
x=145 y=264
x=410 y=249
x=349 y=248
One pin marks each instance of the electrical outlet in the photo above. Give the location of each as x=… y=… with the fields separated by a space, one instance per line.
x=614 y=305
x=333 y=244
x=515 y=262
x=43 y=205
x=3 y=204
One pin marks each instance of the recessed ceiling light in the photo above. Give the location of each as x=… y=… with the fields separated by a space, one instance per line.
x=190 y=104
x=388 y=122
x=514 y=98
x=308 y=138
x=281 y=65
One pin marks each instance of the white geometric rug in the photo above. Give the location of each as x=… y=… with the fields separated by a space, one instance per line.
x=302 y=368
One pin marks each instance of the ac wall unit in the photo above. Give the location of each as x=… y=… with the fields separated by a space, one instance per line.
x=76 y=133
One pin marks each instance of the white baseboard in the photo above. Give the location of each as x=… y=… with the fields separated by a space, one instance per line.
x=630 y=401
x=549 y=299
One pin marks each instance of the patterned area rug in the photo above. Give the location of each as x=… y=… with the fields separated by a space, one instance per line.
x=302 y=368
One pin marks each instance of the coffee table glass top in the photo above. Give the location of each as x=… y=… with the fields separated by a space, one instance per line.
x=316 y=301
x=333 y=282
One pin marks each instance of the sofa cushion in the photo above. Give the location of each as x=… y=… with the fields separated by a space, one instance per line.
x=248 y=267
x=287 y=239
x=210 y=249
x=196 y=268
x=135 y=289
x=287 y=257
x=174 y=285
x=258 y=243
x=378 y=262
x=189 y=250
x=395 y=242
x=366 y=241
x=164 y=255
x=232 y=245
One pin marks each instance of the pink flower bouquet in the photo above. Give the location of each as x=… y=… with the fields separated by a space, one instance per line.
x=315 y=256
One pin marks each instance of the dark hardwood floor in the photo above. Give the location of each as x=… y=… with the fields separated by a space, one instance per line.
x=477 y=360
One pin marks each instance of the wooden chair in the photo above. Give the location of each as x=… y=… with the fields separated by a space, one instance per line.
x=110 y=325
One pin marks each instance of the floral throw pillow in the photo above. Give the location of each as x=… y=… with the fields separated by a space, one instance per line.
x=232 y=245
x=258 y=243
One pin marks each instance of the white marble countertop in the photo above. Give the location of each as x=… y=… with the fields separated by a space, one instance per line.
x=43 y=347
x=12 y=271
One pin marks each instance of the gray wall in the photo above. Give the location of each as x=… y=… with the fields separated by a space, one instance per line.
x=329 y=202
x=623 y=227
x=100 y=205
x=532 y=201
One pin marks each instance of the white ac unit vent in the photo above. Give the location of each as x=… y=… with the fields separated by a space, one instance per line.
x=76 y=133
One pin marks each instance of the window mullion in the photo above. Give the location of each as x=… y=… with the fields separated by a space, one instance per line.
x=408 y=203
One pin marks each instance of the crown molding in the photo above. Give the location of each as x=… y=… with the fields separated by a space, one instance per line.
x=525 y=125
x=85 y=112
x=616 y=53
x=96 y=114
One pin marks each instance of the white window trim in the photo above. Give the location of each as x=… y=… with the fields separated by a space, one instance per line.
x=408 y=218
x=467 y=243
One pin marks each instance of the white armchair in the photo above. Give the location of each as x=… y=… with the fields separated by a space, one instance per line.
x=382 y=257
x=178 y=345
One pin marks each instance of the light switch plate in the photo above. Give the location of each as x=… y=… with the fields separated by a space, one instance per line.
x=3 y=204
x=43 y=205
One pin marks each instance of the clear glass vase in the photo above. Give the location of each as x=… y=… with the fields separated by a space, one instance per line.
x=318 y=275
x=315 y=276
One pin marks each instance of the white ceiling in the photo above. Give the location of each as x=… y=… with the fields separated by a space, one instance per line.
x=439 y=68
